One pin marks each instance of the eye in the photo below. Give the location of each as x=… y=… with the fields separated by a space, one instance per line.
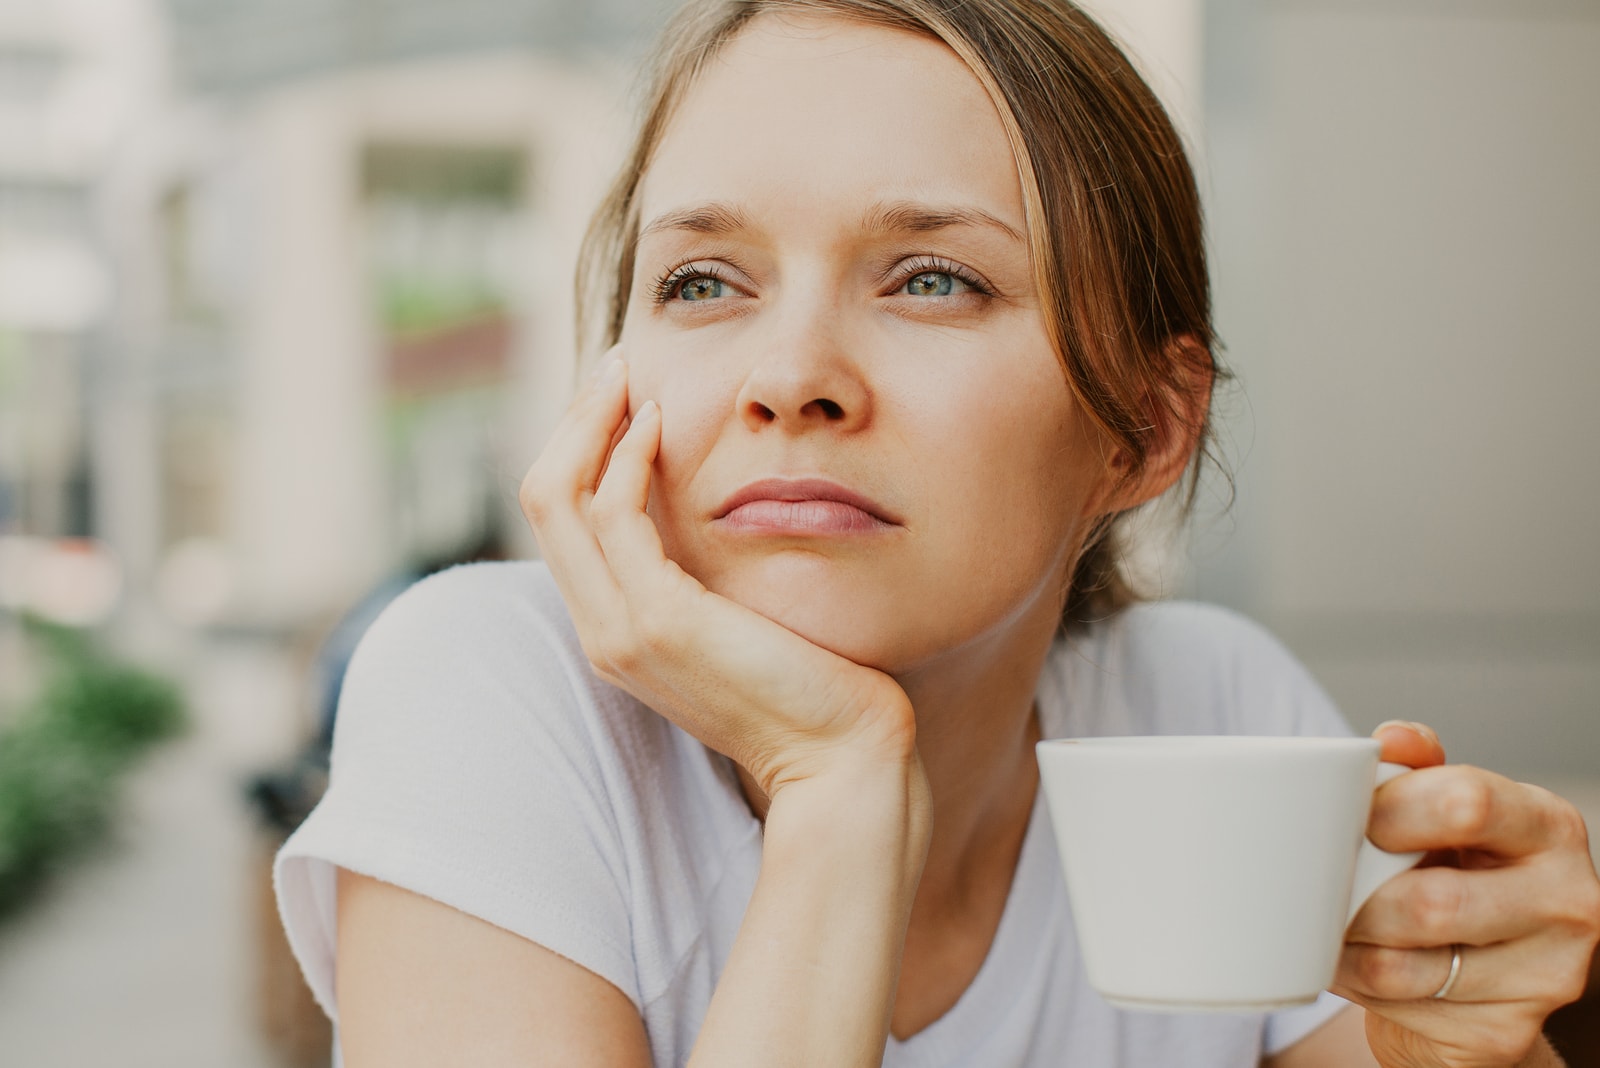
x=932 y=284
x=932 y=277
x=701 y=288
x=690 y=284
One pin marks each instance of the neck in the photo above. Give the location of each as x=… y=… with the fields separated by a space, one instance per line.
x=976 y=729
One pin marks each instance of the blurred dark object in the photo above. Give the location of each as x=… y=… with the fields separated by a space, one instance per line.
x=281 y=798
x=61 y=758
x=1575 y=1029
x=291 y=1021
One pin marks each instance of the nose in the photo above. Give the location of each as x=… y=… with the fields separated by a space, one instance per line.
x=805 y=378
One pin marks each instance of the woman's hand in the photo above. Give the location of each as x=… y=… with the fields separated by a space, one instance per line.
x=780 y=706
x=1508 y=879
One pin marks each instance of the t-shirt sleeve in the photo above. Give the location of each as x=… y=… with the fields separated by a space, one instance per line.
x=467 y=767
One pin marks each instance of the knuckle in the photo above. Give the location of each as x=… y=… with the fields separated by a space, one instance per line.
x=1589 y=907
x=603 y=513
x=534 y=495
x=1385 y=972
x=1570 y=982
x=1568 y=826
x=1466 y=805
x=1580 y=914
x=1434 y=906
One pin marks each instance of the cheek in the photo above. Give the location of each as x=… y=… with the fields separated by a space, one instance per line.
x=693 y=414
x=1028 y=471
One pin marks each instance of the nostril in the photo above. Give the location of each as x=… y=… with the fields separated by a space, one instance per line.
x=829 y=408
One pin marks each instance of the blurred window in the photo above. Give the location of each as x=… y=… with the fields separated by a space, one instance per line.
x=445 y=239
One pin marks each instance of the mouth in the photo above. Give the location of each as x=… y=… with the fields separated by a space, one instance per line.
x=805 y=506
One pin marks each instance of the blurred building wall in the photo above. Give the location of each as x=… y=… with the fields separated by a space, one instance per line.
x=1405 y=223
x=65 y=72
x=245 y=237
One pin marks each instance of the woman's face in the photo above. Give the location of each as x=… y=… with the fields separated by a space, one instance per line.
x=833 y=297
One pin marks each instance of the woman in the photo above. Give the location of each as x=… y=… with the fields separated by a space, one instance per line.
x=907 y=304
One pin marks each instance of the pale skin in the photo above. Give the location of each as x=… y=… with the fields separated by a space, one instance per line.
x=839 y=288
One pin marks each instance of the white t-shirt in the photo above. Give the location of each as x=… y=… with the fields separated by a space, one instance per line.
x=478 y=761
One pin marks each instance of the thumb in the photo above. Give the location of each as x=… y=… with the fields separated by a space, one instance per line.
x=1412 y=744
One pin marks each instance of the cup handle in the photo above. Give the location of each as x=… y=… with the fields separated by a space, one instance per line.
x=1374 y=867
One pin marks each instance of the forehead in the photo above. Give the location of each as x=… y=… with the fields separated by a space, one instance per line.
x=823 y=116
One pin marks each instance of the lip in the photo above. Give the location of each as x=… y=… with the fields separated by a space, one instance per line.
x=837 y=509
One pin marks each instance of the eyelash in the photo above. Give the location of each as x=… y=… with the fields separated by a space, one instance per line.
x=938 y=265
x=666 y=287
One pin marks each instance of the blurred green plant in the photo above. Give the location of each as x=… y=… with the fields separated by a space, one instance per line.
x=62 y=755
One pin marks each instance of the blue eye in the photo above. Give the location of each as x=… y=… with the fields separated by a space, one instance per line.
x=931 y=284
x=699 y=287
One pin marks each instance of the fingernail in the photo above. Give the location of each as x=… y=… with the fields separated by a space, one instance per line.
x=613 y=370
x=1422 y=730
x=649 y=409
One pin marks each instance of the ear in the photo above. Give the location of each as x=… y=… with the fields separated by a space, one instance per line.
x=1175 y=417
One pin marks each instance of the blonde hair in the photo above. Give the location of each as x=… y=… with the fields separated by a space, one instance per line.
x=1113 y=217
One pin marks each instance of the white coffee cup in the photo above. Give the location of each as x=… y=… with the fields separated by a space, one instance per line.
x=1215 y=873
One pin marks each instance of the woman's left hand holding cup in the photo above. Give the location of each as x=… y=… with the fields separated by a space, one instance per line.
x=1508 y=885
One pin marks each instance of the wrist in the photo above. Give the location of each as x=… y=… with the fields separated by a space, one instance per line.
x=1543 y=1055
x=877 y=745
x=853 y=806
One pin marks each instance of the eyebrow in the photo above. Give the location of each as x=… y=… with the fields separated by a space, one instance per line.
x=897 y=217
x=907 y=217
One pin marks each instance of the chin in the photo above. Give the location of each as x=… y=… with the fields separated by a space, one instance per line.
x=840 y=609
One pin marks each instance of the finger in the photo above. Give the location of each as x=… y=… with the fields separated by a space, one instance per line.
x=626 y=533
x=1439 y=906
x=1393 y=974
x=1412 y=744
x=556 y=492
x=616 y=439
x=1463 y=807
x=577 y=451
x=1519 y=970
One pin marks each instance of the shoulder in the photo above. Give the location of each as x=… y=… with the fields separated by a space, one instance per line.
x=474 y=610
x=478 y=670
x=1186 y=667
x=478 y=762
x=497 y=632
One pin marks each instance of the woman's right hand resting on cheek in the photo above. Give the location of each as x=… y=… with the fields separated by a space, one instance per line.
x=813 y=973
x=781 y=707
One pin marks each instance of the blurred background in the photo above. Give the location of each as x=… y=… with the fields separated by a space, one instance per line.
x=285 y=312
